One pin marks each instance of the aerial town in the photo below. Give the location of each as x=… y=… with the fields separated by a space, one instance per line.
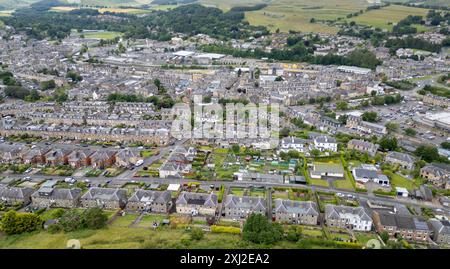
x=360 y=159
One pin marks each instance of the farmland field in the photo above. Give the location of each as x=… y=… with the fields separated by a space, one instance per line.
x=381 y=18
x=103 y=10
x=296 y=15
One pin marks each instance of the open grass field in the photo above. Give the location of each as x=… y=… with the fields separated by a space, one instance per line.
x=98 y=34
x=124 y=221
x=384 y=17
x=296 y=15
x=129 y=238
x=5 y=13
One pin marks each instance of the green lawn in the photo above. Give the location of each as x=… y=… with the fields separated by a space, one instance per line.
x=237 y=191
x=147 y=220
x=343 y=184
x=312 y=232
x=399 y=181
x=363 y=238
x=148 y=153
x=319 y=182
x=124 y=221
x=101 y=35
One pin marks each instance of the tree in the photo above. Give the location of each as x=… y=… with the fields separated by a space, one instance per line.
x=74 y=76
x=235 y=148
x=13 y=222
x=94 y=218
x=46 y=85
x=445 y=145
x=427 y=153
x=384 y=236
x=343 y=119
x=16 y=92
x=259 y=230
x=369 y=116
x=410 y=132
x=392 y=126
x=388 y=143
x=33 y=96
x=315 y=152
x=342 y=105
x=284 y=132
x=72 y=220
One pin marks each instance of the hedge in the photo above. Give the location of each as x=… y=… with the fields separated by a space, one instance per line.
x=225 y=229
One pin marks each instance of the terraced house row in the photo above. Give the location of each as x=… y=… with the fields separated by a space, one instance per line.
x=237 y=208
x=76 y=157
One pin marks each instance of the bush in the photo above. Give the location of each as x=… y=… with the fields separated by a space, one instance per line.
x=197 y=234
x=225 y=229
x=17 y=223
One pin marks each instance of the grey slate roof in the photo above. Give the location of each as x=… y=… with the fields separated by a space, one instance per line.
x=401 y=156
x=403 y=222
x=14 y=192
x=440 y=226
x=325 y=139
x=58 y=194
x=335 y=212
x=105 y=194
x=365 y=173
x=296 y=207
x=254 y=203
x=160 y=197
x=363 y=144
x=203 y=199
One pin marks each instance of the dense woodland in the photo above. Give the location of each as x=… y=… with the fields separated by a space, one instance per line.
x=192 y=19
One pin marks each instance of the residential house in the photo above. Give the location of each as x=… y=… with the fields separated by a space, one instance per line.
x=293 y=143
x=12 y=156
x=346 y=217
x=324 y=143
x=236 y=207
x=363 y=146
x=441 y=231
x=103 y=158
x=197 y=203
x=366 y=173
x=80 y=158
x=127 y=158
x=110 y=199
x=174 y=170
x=150 y=201
x=55 y=197
x=57 y=157
x=326 y=170
x=363 y=127
x=408 y=227
x=296 y=212
x=405 y=161
x=437 y=174
x=15 y=195
x=35 y=155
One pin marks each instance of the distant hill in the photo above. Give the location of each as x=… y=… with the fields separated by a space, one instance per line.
x=14 y=4
x=440 y=3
